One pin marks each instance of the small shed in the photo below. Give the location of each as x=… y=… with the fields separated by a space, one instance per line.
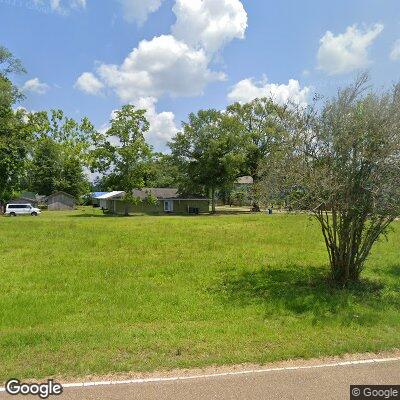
x=61 y=201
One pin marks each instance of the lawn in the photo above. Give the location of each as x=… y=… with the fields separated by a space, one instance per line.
x=83 y=294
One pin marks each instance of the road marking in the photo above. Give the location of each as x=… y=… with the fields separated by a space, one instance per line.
x=222 y=374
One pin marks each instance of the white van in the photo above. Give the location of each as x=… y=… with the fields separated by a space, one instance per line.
x=21 y=209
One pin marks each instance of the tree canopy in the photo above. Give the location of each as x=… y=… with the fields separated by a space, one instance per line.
x=122 y=154
x=262 y=130
x=209 y=152
x=15 y=131
x=60 y=153
x=342 y=164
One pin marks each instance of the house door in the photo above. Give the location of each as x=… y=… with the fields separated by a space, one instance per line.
x=168 y=206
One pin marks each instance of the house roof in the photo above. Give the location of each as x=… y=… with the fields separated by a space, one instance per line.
x=110 y=195
x=245 y=180
x=164 y=194
x=160 y=193
x=95 y=195
x=60 y=192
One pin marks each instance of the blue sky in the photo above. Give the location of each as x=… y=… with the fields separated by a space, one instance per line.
x=190 y=54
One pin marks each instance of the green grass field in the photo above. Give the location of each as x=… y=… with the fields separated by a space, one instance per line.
x=85 y=294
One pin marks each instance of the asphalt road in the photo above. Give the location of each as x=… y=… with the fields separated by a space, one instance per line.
x=317 y=382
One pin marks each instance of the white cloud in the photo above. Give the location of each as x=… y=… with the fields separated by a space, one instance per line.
x=34 y=85
x=347 y=51
x=395 y=53
x=138 y=10
x=62 y=6
x=177 y=65
x=163 y=65
x=162 y=125
x=210 y=24
x=248 y=90
x=174 y=65
x=78 y=3
x=89 y=84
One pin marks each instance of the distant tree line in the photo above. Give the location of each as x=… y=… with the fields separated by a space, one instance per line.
x=49 y=151
x=337 y=160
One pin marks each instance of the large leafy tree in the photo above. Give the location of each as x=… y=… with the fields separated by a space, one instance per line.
x=9 y=93
x=262 y=128
x=209 y=152
x=342 y=164
x=15 y=132
x=45 y=167
x=163 y=172
x=60 y=153
x=122 y=154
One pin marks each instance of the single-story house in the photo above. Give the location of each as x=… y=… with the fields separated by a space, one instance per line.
x=61 y=201
x=169 y=201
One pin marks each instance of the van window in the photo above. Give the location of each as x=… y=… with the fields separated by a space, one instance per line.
x=19 y=206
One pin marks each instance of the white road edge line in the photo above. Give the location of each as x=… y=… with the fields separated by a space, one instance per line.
x=222 y=374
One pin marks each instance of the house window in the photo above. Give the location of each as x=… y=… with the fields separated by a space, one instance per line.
x=168 y=206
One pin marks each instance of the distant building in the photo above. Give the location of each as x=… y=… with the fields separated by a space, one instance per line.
x=169 y=201
x=106 y=200
x=61 y=201
x=242 y=192
x=244 y=181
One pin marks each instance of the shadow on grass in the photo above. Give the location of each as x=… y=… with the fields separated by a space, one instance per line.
x=296 y=290
x=162 y=215
x=394 y=270
x=235 y=212
x=88 y=215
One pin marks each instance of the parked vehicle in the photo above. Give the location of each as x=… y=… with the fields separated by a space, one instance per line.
x=21 y=209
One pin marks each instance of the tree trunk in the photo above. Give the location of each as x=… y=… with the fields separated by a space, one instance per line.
x=343 y=236
x=256 y=205
x=349 y=238
x=213 y=200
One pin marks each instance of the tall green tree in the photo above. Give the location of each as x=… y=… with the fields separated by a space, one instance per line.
x=263 y=131
x=122 y=154
x=45 y=167
x=15 y=132
x=209 y=152
x=342 y=164
x=163 y=172
x=9 y=93
x=60 y=153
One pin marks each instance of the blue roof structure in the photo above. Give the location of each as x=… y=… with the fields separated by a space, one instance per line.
x=98 y=194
